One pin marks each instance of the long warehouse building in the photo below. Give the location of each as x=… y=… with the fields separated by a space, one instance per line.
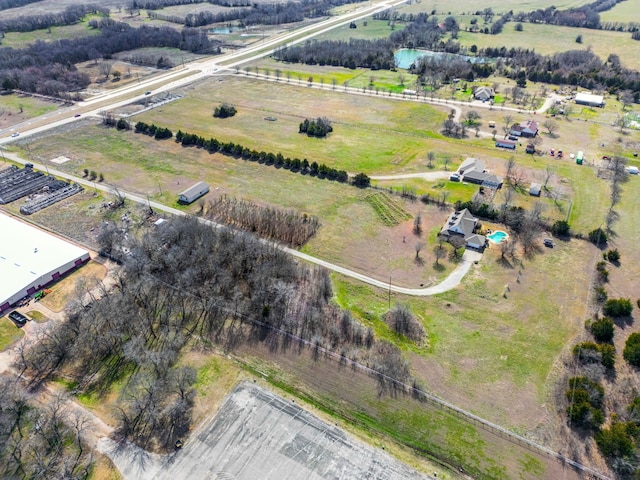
x=31 y=259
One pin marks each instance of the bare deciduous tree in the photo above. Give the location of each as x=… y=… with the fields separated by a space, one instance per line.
x=551 y=126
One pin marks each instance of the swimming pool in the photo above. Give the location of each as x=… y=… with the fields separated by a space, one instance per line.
x=498 y=236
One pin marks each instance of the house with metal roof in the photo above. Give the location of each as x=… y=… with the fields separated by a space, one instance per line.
x=193 y=193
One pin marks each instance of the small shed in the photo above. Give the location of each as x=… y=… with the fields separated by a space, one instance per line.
x=193 y=193
x=506 y=144
x=535 y=190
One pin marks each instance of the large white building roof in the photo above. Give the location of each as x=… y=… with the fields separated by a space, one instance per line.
x=29 y=256
x=584 y=97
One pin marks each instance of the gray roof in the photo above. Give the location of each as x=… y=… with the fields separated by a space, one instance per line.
x=483 y=177
x=194 y=189
x=470 y=164
x=460 y=220
x=476 y=239
x=535 y=189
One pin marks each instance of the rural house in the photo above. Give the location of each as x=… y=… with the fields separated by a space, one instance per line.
x=462 y=224
x=483 y=93
x=528 y=128
x=472 y=170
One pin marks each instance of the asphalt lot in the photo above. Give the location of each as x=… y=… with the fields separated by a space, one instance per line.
x=258 y=435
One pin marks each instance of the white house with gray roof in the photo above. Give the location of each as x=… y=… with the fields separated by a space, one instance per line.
x=461 y=223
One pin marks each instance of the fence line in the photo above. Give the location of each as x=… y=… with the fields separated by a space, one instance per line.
x=443 y=404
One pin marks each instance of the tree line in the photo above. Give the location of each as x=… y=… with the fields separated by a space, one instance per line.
x=186 y=284
x=422 y=32
x=49 y=67
x=573 y=67
x=278 y=160
x=69 y=16
x=282 y=225
x=7 y=4
x=235 y=150
x=257 y=13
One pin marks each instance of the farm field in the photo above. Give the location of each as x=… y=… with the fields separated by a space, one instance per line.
x=498 y=6
x=161 y=170
x=550 y=39
x=376 y=135
x=624 y=12
x=497 y=346
x=415 y=424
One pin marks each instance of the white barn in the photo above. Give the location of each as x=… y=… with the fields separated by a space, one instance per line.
x=584 y=98
x=193 y=193
x=30 y=259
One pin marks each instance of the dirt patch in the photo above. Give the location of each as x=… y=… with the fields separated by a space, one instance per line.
x=62 y=291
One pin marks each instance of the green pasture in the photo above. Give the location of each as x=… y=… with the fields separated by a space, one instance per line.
x=9 y=333
x=498 y=337
x=550 y=39
x=371 y=134
x=373 y=30
x=623 y=12
x=498 y=6
x=31 y=106
x=24 y=39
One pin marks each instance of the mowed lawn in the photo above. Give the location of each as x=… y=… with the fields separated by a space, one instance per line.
x=371 y=134
x=550 y=39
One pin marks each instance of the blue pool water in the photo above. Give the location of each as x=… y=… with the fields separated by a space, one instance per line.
x=497 y=236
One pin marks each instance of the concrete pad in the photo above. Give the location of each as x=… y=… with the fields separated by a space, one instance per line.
x=259 y=435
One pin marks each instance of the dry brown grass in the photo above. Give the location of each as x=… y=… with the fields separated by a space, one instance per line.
x=62 y=291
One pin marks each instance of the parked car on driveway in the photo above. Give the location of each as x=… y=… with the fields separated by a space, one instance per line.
x=17 y=318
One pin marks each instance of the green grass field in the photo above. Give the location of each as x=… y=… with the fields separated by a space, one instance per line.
x=10 y=106
x=23 y=39
x=372 y=135
x=498 y=6
x=550 y=39
x=624 y=12
x=9 y=333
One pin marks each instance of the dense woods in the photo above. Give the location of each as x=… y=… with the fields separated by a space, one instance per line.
x=181 y=284
x=69 y=16
x=422 y=32
x=6 y=4
x=48 y=67
x=256 y=13
x=44 y=442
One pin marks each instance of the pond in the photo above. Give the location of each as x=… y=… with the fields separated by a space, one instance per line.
x=224 y=30
x=406 y=56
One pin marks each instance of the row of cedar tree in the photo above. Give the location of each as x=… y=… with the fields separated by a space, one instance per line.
x=236 y=150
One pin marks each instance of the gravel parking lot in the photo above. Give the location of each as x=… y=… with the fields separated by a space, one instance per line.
x=258 y=435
